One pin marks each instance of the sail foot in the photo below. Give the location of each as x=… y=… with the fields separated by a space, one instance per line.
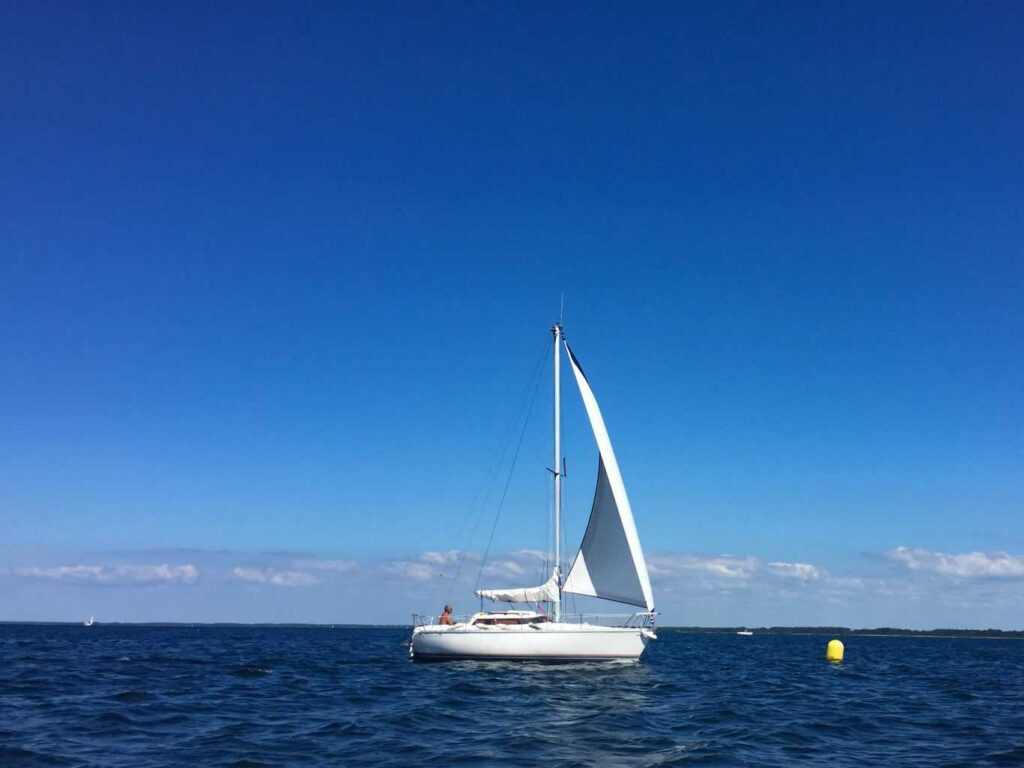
x=545 y=593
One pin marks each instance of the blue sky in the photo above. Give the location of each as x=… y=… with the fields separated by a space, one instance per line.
x=273 y=278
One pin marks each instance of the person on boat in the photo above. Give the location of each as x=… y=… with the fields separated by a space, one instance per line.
x=446 y=616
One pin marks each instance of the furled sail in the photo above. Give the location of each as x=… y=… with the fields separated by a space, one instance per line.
x=545 y=593
x=610 y=563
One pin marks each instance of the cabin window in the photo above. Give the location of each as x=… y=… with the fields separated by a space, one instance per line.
x=511 y=620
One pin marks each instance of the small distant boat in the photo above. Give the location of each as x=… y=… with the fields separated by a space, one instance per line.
x=90 y=621
x=744 y=632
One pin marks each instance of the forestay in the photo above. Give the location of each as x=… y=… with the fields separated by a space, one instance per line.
x=545 y=593
x=610 y=563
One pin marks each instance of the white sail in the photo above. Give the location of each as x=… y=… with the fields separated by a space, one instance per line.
x=610 y=563
x=545 y=593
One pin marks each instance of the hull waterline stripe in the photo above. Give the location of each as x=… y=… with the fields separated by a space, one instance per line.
x=565 y=657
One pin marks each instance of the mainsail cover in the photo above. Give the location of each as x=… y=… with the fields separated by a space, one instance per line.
x=610 y=563
x=545 y=593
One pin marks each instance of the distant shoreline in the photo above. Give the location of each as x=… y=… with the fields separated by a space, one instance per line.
x=990 y=634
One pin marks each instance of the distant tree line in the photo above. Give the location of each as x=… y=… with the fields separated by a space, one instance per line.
x=1004 y=633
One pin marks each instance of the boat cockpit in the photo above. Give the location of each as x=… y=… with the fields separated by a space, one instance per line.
x=506 y=618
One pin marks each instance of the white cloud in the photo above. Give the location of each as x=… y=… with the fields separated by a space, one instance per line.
x=447 y=558
x=333 y=566
x=801 y=571
x=412 y=570
x=521 y=567
x=114 y=574
x=434 y=565
x=536 y=554
x=717 y=567
x=969 y=565
x=505 y=568
x=275 y=577
x=524 y=567
x=726 y=574
x=846 y=583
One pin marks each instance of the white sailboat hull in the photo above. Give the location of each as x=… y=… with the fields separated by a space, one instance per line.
x=549 y=641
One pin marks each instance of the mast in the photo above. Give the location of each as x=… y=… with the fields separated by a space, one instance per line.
x=557 y=331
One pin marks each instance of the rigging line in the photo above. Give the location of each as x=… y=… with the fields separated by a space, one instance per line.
x=508 y=482
x=524 y=399
x=487 y=482
x=491 y=474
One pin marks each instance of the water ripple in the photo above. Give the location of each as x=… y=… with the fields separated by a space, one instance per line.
x=228 y=696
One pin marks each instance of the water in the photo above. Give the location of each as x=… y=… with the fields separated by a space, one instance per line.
x=249 y=696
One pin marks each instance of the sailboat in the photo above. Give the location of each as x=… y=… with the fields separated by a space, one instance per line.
x=609 y=564
x=89 y=622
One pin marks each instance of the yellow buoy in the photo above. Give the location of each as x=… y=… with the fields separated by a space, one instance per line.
x=834 y=650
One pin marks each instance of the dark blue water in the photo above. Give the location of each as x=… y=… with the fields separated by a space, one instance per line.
x=247 y=696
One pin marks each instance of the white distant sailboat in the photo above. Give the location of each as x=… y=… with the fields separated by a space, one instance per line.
x=90 y=621
x=609 y=564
